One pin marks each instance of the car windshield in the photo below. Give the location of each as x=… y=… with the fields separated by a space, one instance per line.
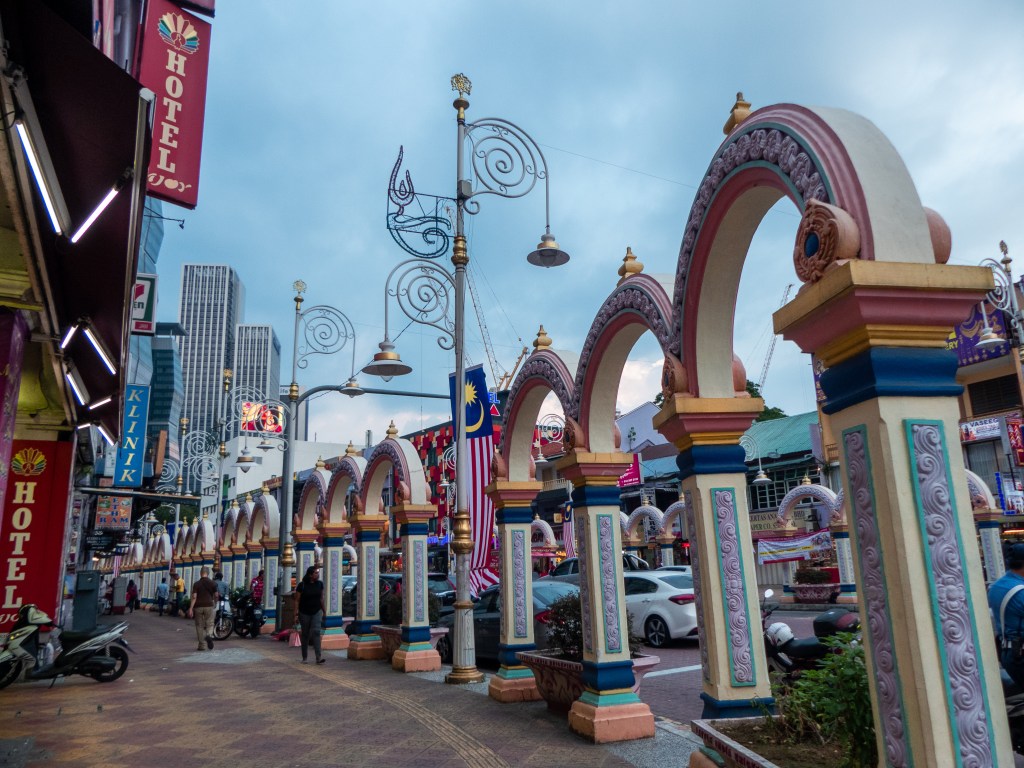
x=678 y=580
x=548 y=591
x=438 y=583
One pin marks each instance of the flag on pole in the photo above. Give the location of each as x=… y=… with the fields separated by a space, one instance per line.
x=480 y=444
x=117 y=566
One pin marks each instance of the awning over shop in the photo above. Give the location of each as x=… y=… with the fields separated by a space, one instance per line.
x=94 y=124
x=165 y=497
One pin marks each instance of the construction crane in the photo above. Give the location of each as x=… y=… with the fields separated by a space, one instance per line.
x=501 y=378
x=771 y=346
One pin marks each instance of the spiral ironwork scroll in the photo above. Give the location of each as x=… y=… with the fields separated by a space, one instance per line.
x=551 y=427
x=325 y=330
x=425 y=232
x=506 y=161
x=426 y=295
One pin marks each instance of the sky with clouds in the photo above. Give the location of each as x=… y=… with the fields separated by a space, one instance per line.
x=308 y=105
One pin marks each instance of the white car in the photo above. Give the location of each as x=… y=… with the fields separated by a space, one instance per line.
x=675 y=569
x=661 y=606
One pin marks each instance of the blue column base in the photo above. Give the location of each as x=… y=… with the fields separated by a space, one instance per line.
x=363 y=627
x=331 y=622
x=752 y=707
x=415 y=634
x=507 y=653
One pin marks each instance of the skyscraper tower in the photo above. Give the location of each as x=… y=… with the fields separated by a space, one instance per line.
x=258 y=359
x=212 y=304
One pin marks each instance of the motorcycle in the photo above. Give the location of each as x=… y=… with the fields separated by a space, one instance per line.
x=248 y=615
x=1014 y=711
x=224 y=622
x=791 y=655
x=99 y=653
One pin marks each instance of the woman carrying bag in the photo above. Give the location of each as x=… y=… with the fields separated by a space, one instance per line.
x=311 y=612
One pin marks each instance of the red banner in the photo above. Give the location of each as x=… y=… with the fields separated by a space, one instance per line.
x=35 y=515
x=632 y=475
x=1013 y=430
x=174 y=63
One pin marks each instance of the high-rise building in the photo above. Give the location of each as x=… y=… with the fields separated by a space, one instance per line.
x=257 y=359
x=166 y=388
x=212 y=304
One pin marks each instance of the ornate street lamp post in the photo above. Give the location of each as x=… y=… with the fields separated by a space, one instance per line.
x=508 y=163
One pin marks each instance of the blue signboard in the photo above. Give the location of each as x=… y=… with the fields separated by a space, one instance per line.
x=128 y=470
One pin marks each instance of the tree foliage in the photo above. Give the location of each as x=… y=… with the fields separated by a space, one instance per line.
x=769 y=412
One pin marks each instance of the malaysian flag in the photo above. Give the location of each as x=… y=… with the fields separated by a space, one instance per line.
x=117 y=566
x=480 y=441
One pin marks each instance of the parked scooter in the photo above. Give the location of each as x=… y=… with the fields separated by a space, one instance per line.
x=99 y=653
x=224 y=621
x=248 y=615
x=789 y=654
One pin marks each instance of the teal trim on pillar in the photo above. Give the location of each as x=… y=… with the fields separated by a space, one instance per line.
x=715 y=709
x=890 y=372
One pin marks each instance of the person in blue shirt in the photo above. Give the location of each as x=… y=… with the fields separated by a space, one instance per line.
x=1012 y=635
x=162 y=593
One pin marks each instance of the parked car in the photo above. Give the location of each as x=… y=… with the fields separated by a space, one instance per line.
x=569 y=569
x=487 y=619
x=438 y=583
x=675 y=568
x=661 y=606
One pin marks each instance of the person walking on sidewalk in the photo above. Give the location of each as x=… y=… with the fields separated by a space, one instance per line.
x=311 y=612
x=204 y=600
x=162 y=593
x=131 y=596
x=256 y=587
x=177 y=591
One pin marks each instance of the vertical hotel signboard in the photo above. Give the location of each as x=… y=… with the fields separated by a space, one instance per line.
x=130 y=452
x=173 y=64
x=32 y=531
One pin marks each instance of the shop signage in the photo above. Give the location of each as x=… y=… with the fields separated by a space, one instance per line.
x=128 y=470
x=113 y=513
x=980 y=429
x=174 y=62
x=632 y=475
x=99 y=541
x=764 y=521
x=784 y=550
x=259 y=417
x=35 y=517
x=144 y=305
x=1013 y=431
x=965 y=337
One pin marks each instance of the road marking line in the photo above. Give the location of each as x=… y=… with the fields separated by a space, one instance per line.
x=673 y=671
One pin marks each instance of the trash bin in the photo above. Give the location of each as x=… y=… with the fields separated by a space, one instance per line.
x=86 y=602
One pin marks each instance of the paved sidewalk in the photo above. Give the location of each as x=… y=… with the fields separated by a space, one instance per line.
x=252 y=703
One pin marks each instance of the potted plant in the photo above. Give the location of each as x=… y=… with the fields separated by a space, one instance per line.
x=390 y=630
x=824 y=719
x=813 y=585
x=559 y=670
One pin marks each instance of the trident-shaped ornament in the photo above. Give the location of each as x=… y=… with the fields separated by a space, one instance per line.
x=461 y=84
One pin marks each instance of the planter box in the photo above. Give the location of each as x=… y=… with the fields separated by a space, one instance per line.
x=560 y=681
x=734 y=753
x=391 y=637
x=814 y=593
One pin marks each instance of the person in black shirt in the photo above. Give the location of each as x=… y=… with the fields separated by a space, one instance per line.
x=311 y=612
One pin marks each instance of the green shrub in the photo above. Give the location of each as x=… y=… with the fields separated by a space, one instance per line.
x=391 y=606
x=566 y=628
x=832 y=702
x=811 y=576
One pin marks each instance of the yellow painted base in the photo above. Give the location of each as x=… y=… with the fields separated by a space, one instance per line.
x=621 y=722
x=509 y=691
x=365 y=649
x=335 y=642
x=416 y=661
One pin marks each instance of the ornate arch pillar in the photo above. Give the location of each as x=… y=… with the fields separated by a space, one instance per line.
x=512 y=500
x=415 y=654
x=665 y=543
x=364 y=642
x=844 y=558
x=880 y=330
x=631 y=543
x=988 y=522
x=711 y=464
x=608 y=710
x=305 y=549
x=334 y=625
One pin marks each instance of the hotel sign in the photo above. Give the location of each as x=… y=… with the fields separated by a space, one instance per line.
x=128 y=469
x=35 y=514
x=174 y=64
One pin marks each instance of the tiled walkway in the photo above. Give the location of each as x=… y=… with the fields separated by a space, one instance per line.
x=251 y=703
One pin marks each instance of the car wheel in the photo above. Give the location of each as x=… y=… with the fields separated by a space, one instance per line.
x=444 y=648
x=656 y=632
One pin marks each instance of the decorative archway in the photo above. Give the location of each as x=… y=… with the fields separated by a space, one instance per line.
x=263 y=547
x=308 y=516
x=345 y=482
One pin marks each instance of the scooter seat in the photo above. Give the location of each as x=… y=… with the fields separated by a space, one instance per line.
x=804 y=648
x=69 y=637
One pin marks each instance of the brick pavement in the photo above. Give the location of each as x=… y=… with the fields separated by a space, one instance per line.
x=251 y=702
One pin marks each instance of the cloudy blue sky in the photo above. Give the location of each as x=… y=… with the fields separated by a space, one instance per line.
x=308 y=104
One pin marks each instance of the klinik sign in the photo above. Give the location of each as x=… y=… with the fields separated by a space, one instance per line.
x=174 y=62
x=35 y=514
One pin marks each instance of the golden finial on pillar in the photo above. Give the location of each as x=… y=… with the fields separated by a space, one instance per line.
x=351 y=450
x=287 y=555
x=740 y=112
x=630 y=266
x=806 y=480
x=248 y=497
x=543 y=341
x=264 y=488
x=320 y=463
x=392 y=430
x=234 y=504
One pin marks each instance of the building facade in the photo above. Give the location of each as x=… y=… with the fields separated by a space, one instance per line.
x=212 y=305
x=257 y=359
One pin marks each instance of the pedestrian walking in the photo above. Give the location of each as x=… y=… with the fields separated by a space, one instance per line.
x=311 y=612
x=162 y=593
x=204 y=596
x=222 y=586
x=178 y=592
x=131 y=595
x=256 y=587
x=1006 y=601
